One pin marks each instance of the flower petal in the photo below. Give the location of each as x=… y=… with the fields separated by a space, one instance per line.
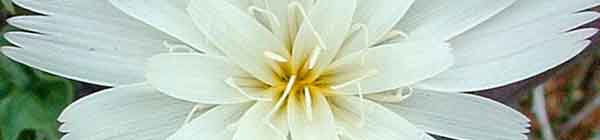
x=331 y=20
x=321 y=127
x=253 y=124
x=123 y=113
x=443 y=19
x=104 y=55
x=462 y=116
x=512 y=68
x=402 y=64
x=379 y=122
x=473 y=49
x=194 y=77
x=380 y=16
x=168 y=16
x=240 y=37
x=216 y=124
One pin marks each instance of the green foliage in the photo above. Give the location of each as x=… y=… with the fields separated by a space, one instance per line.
x=8 y=6
x=30 y=100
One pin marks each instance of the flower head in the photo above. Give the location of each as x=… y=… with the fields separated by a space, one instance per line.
x=301 y=69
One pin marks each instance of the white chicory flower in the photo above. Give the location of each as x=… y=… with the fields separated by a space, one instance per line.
x=297 y=69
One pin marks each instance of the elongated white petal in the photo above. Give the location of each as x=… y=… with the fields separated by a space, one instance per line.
x=327 y=26
x=321 y=127
x=255 y=126
x=524 y=12
x=462 y=116
x=218 y=123
x=194 y=77
x=498 y=72
x=240 y=37
x=380 y=16
x=403 y=64
x=124 y=113
x=472 y=49
x=443 y=19
x=109 y=54
x=170 y=17
x=380 y=123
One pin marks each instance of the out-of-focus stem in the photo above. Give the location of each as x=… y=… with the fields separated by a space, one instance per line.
x=539 y=108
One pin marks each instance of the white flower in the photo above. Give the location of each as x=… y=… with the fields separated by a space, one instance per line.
x=299 y=69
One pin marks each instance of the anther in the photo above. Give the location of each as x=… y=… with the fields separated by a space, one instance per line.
x=273 y=18
x=274 y=56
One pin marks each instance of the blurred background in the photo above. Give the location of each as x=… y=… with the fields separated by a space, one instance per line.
x=563 y=104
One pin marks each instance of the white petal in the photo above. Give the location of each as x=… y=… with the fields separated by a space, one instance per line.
x=462 y=116
x=216 y=124
x=525 y=12
x=322 y=125
x=380 y=16
x=124 y=113
x=534 y=60
x=331 y=20
x=443 y=19
x=472 y=49
x=379 y=122
x=253 y=125
x=109 y=46
x=240 y=37
x=168 y=16
x=403 y=64
x=194 y=77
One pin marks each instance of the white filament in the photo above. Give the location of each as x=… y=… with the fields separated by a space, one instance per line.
x=231 y=82
x=174 y=47
x=308 y=103
x=353 y=81
x=298 y=5
x=359 y=26
x=274 y=56
x=393 y=97
x=190 y=115
x=286 y=93
x=362 y=106
x=314 y=57
x=272 y=17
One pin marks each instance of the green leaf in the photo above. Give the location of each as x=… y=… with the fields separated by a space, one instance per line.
x=30 y=100
x=9 y=6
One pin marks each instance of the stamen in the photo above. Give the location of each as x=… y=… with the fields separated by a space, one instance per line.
x=272 y=17
x=362 y=106
x=308 y=103
x=231 y=82
x=393 y=35
x=314 y=57
x=393 y=97
x=174 y=47
x=274 y=56
x=298 y=5
x=286 y=93
x=364 y=76
x=190 y=115
x=359 y=26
